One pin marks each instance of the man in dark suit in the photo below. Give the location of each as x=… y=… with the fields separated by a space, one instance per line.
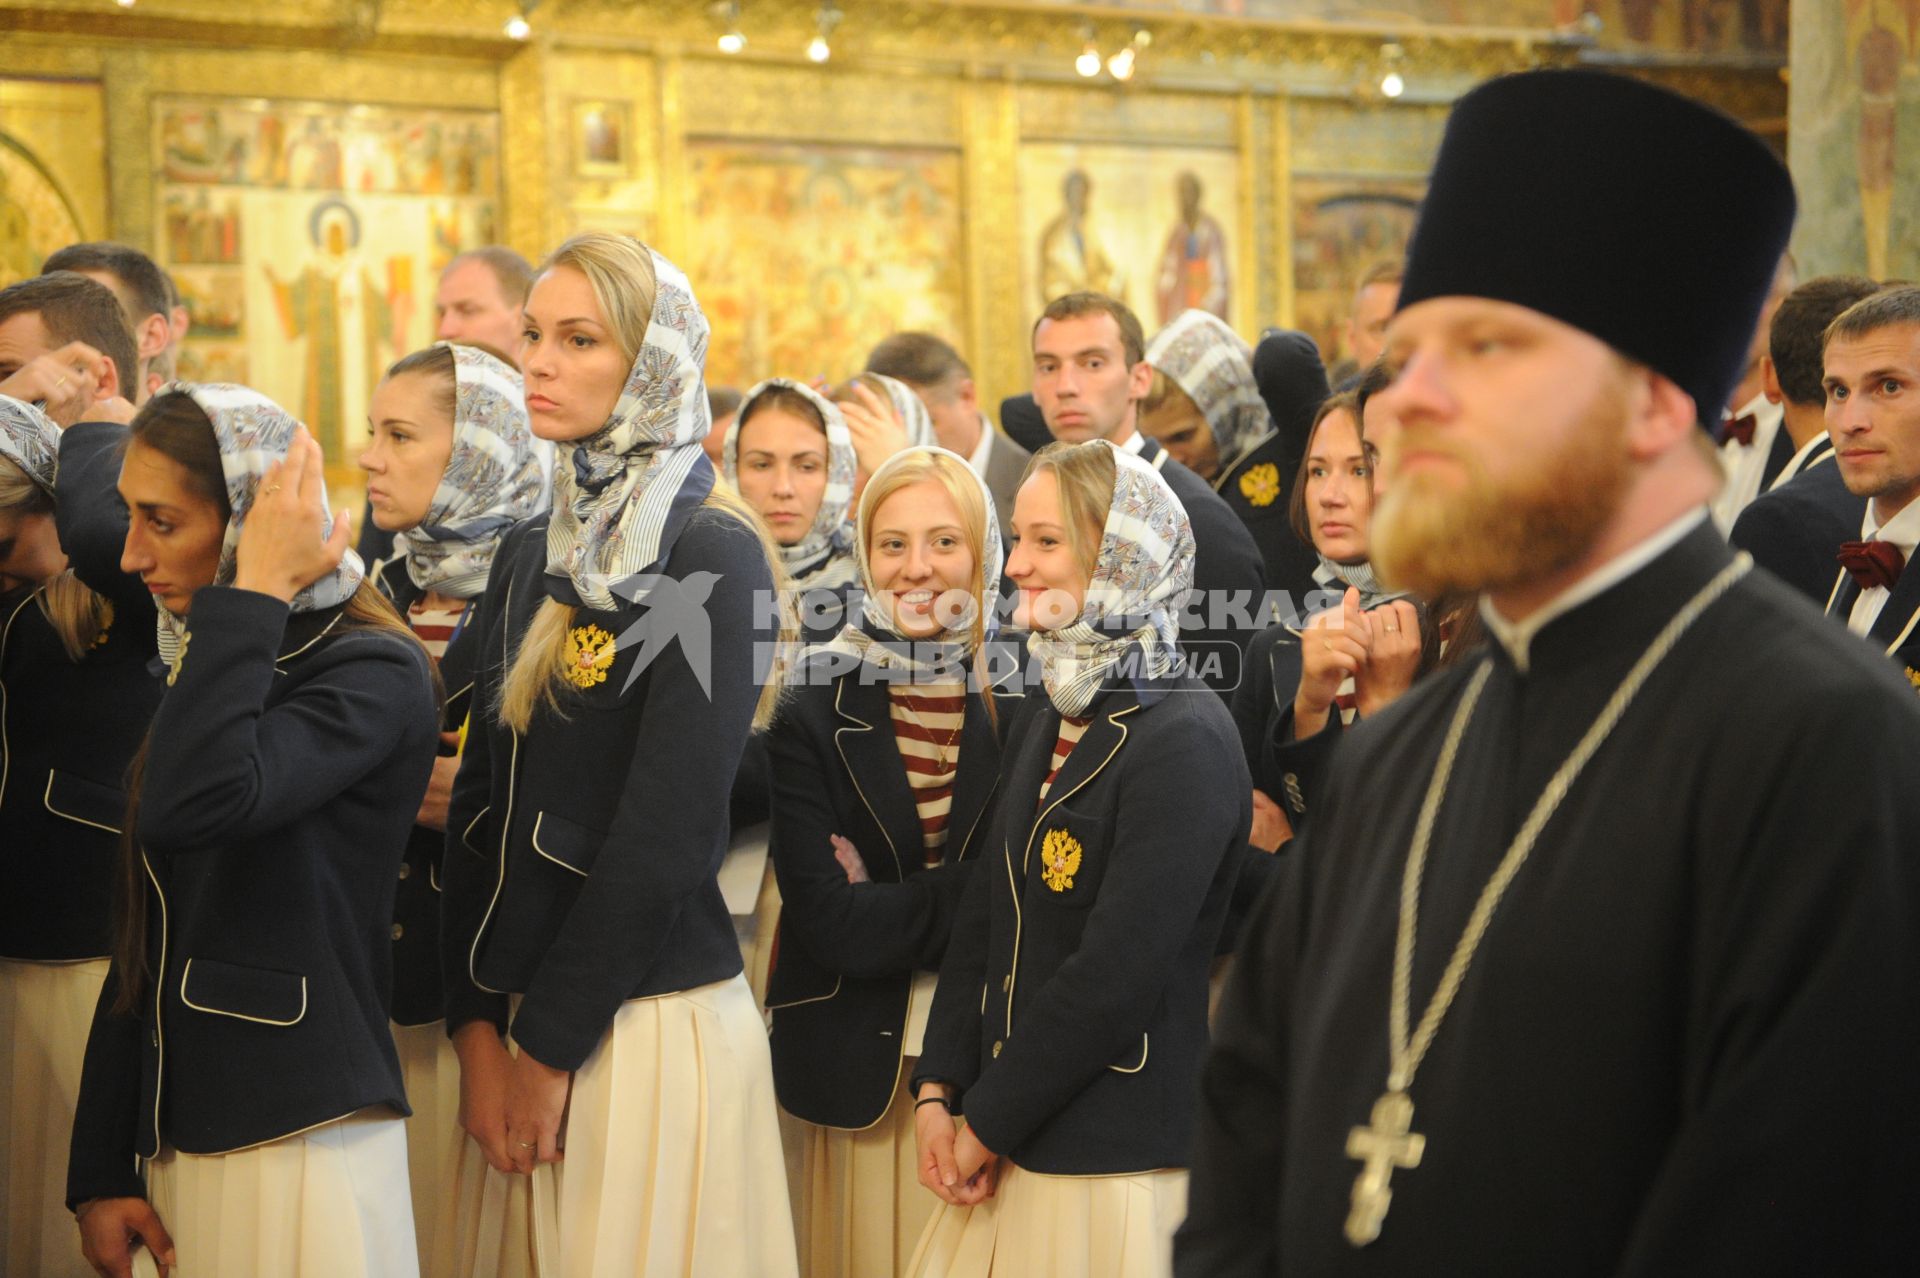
x=1794 y=528
x=1873 y=413
x=944 y=383
x=1089 y=375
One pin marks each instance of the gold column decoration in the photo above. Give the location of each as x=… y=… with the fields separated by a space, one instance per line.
x=525 y=153
x=996 y=323
x=128 y=81
x=1283 y=207
x=670 y=217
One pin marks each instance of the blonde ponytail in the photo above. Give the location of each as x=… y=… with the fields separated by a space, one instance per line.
x=77 y=614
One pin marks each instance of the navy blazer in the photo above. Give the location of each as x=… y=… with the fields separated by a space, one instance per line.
x=286 y=765
x=582 y=858
x=417 y=997
x=1896 y=631
x=1795 y=531
x=848 y=952
x=1228 y=571
x=1257 y=489
x=68 y=729
x=1072 y=1009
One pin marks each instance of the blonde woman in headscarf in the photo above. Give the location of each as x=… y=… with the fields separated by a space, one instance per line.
x=1071 y=1015
x=451 y=465
x=609 y=1047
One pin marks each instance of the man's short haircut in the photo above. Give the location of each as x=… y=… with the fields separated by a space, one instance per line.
x=918 y=359
x=1888 y=308
x=1390 y=271
x=146 y=288
x=512 y=272
x=1133 y=339
x=75 y=308
x=722 y=401
x=1796 y=340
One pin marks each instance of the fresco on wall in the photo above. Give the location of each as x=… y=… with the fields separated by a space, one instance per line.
x=804 y=256
x=1157 y=227
x=35 y=218
x=1340 y=229
x=307 y=238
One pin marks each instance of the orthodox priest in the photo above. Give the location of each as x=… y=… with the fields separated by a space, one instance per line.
x=1601 y=954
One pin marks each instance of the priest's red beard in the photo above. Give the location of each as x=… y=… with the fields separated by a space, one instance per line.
x=1439 y=533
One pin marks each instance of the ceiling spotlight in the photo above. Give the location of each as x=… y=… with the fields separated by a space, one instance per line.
x=825 y=19
x=518 y=27
x=124 y=4
x=1121 y=65
x=1088 y=63
x=726 y=13
x=1392 y=85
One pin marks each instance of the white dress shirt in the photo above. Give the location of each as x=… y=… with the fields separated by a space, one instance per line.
x=1746 y=464
x=1903 y=530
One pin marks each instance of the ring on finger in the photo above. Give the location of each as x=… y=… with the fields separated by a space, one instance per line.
x=271 y=488
x=526 y=1144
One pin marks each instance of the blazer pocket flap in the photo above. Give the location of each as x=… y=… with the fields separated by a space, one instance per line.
x=258 y=994
x=88 y=802
x=565 y=842
x=1131 y=1061
x=476 y=832
x=1068 y=849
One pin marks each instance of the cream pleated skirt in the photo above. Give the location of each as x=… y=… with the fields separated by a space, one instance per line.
x=858 y=1205
x=673 y=1165
x=435 y=1140
x=331 y=1202
x=45 y=1012
x=1058 y=1227
x=758 y=956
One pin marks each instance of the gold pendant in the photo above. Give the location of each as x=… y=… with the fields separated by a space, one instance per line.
x=1384 y=1144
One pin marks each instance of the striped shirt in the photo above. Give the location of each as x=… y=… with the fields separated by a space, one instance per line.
x=927 y=721
x=1071 y=730
x=435 y=626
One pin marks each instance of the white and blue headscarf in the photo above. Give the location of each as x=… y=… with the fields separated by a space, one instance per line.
x=874 y=639
x=909 y=408
x=622 y=496
x=1141 y=576
x=30 y=440
x=492 y=481
x=254 y=434
x=1208 y=360
x=823 y=559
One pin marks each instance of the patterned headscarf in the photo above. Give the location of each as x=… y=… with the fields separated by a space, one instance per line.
x=253 y=433
x=493 y=479
x=909 y=408
x=30 y=440
x=622 y=495
x=875 y=640
x=1208 y=361
x=823 y=559
x=1140 y=578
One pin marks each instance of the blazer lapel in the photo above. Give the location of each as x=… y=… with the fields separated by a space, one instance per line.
x=872 y=761
x=1105 y=735
x=1896 y=621
x=979 y=777
x=1777 y=457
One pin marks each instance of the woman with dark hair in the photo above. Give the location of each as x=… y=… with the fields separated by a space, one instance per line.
x=1358 y=650
x=451 y=465
x=1070 y=1018
x=240 y=1047
x=76 y=696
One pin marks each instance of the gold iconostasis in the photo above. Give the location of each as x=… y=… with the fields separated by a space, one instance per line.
x=305 y=174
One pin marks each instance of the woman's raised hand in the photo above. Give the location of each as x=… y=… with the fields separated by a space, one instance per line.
x=283 y=546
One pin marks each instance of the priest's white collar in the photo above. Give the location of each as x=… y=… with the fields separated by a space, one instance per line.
x=1517 y=636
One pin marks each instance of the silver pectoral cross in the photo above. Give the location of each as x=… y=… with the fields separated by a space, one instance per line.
x=1384 y=1144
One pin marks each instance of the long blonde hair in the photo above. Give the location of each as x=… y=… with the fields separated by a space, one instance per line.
x=1085 y=473
x=620 y=271
x=75 y=612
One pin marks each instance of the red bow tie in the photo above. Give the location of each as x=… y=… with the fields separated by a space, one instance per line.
x=1740 y=429
x=1872 y=563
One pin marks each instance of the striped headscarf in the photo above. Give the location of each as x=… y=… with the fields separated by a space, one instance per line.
x=875 y=641
x=622 y=496
x=493 y=479
x=253 y=433
x=1140 y=578
x=30 y=440
x=1338 y=576
x=909 y=408
x=1208 y=361
x=823 y=559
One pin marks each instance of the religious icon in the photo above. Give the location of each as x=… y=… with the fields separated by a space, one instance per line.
x=1193 y=265
x=1072 y=256
x=216 y=301
x=600 y=138
x=199 y=232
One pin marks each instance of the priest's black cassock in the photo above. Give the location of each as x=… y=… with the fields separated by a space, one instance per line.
x=1687 y=1043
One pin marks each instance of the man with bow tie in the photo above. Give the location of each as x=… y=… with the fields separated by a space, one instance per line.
x=1754 y=447
x=1873 y=414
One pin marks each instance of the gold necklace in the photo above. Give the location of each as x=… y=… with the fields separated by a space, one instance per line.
x=1387 y=1141
x=953 y=738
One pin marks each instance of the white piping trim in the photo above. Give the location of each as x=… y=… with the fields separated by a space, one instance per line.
x=46 y=800
x=240 y=1016
x=1144 y=1046
x=477 y=819
x=821 y=998
x=538 y=818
